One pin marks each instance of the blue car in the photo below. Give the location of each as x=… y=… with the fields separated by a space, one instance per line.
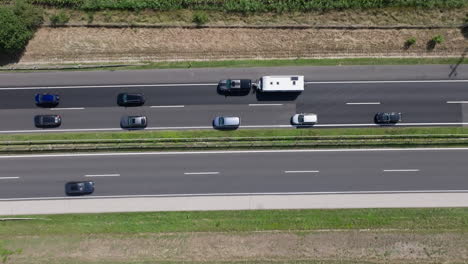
x=47 y=100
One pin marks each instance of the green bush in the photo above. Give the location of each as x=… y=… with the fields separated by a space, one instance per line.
x=438 y=39
x=59 y=19
x=200 y=18
x=18 y=23
x=410 y=42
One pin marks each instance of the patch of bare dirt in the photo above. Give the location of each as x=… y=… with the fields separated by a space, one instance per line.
x=355 y=246
x=79 y=45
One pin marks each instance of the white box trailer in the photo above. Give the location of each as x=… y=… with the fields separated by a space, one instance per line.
x=281 y=83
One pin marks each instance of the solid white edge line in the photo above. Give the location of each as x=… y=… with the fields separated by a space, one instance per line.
x=265 y=104
x=224 y=152
x=402 y=170
x=201 y=173
x=232 y=194
x=70 y=108
x=102 y=175
x=457 y=102
x=107 y=86
x=410 y=81
x=8 y=178
x=364 y=103
x=311 y=171
x=166 y=106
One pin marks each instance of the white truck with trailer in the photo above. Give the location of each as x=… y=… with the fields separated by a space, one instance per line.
x=281 y=83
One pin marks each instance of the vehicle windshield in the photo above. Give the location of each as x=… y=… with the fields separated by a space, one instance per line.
x=228 y=84
x=301 y=118
x=221 y=121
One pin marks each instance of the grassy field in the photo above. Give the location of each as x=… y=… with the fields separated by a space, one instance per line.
x=248 y=5
x=372 y=17
x=265 y=236
x=237 y=133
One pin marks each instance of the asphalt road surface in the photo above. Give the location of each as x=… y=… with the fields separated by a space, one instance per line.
x=237 y=172
x=188 y=99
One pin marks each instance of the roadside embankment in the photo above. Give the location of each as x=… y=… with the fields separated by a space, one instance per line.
x=396 y=236
x=101 y=45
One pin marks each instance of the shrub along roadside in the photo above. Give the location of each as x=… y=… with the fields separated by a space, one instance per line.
x=18 y=23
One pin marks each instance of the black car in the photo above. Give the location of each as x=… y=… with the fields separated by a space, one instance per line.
x=47 y=100
x=387 y=118
x=234 y=86
x=126 y=99
x=79 y=188
x=47 y=121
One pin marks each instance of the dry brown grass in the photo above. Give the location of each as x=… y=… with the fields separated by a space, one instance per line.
x=384 y=16
x=361 y=246
x=75 y=45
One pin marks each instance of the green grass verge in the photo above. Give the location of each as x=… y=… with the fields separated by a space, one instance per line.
x=297 y=62
x=257 y=63
x=424 y=220
x=238 y=133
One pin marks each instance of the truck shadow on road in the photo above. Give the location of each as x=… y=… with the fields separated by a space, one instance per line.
x=279 y=96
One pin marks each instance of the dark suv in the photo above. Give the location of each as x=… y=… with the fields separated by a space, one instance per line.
x=387 y=118
x=79 y=188
x=46 y=121
x=126 y=99
x=47 y=100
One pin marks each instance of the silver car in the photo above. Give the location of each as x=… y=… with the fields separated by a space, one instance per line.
x=133 y=122
x=226 y=122
x=304 y=119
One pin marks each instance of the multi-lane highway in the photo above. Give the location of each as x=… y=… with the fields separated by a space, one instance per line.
x=229 y=172
x=189 y=100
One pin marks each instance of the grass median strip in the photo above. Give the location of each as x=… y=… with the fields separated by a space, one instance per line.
x=241 y=139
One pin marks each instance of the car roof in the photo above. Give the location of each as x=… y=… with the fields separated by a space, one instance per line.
x=231 y=120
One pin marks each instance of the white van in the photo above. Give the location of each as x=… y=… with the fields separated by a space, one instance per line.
x=281 y=83
x=304 y=119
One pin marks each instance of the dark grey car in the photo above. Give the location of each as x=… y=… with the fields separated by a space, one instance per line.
x=229 y=86
x=47 y=121
x=387 y=118
x=79 y=188
x=126 y=99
